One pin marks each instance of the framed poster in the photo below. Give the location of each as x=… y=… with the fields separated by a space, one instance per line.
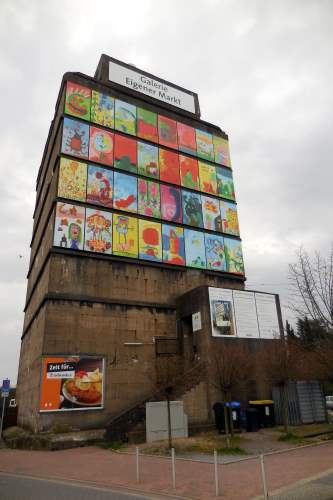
x=125 y=195
x=125 y=153
x=245 y=314
x=102 y=109
x=72 y=383
x=69 y=226
x=269 y=327
x=77 y=100
x=100 y=186
x=195 y=249
x=147 y=125
x=98 y=231
x=125 y=236
x=150 y=241
x=222 y=312
x=75 y=138
x=72 y=179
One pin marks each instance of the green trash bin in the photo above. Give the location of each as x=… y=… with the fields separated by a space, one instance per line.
x=265 y=409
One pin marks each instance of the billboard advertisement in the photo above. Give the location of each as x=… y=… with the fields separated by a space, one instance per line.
x=243 y=314
x=71 y=383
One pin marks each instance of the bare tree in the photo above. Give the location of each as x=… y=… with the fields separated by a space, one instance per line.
x=231 y=364
x=312 y=283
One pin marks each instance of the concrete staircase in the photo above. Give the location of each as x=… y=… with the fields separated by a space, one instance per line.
x=126 y=421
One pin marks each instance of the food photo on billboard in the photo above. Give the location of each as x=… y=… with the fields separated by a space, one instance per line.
x=72 y=383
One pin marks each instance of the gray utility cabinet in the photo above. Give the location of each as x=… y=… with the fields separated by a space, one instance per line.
x=306 y=403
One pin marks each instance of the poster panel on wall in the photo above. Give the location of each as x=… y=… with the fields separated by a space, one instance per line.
x=195 y=249
x=171 y=203
x=98 y=231
x=233 y=256
x=150 y=240
x=222 y=312
x=207 y=176
x=125 y=155
x=225 y=184
x=189 y=172
x=100 y=186
x=173 y=245
x=221 y=151
x=205 y=147
x=245 y=314
x=101 y=146
x=102 y=109
x=70 y=383
x=125 y=236
x=192 y=213
x=147 y=125
x=148 y=160
x=211 y=213
x=229 y=218
x=75 y=138
x=169 y=166
x=125 y=195
x=69 y=226
x=215 y=252
x=77 y=100
x=149 y=198
x=167 y=132
x=125 y=117
x=186 y=139
x=267 y=316
x=72 y=179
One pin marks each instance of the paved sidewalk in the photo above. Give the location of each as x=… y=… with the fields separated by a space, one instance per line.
x=239 y=481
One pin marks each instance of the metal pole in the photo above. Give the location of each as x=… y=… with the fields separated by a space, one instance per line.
x=173 y=468
x=137 y=466
x=216 y=475
x=2 y=416
x=263 y=475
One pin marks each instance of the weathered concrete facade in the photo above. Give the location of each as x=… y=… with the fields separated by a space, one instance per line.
x=81 y=304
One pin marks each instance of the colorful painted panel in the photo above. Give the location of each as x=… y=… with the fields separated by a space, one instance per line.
x=125 y=117
x=192 y=214
x=101 y=146
x=150 y=241
x=100 y=186
x=125 y=153
x=205 y=148
x=98 y=231
x=189 y=172
x=229 y=218
x=125 y=195
x=173 y=245
x=195 y=249
x=215 y=252
x=102 y=109
x=207 y=175
x=169 y=166
x=233 y=256
x=221 y=151
x=125 y=236
x=72 y=180
x=148 y=160
x=211 y=213
x=171 y=203
x=225 y=184
x=186 y=138
x=147 y=125
x=78 y=100
x=149 y=199
x=75 y=138
x=69 y=226
x=167 y=132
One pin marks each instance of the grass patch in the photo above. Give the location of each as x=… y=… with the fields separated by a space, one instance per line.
x=114 y=445
x=291 y=438
x=236 y=450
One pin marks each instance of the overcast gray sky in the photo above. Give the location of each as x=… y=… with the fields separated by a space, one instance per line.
x=263 y=71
